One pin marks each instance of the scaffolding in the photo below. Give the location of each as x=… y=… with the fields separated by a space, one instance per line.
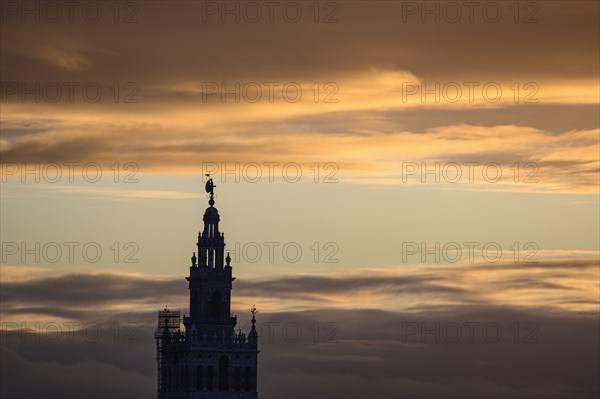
x=170 y=319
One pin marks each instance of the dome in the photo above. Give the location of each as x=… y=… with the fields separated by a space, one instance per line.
x=211 y=216
x=211 y=212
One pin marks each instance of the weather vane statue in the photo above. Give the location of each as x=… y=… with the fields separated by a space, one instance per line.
x=210 y=187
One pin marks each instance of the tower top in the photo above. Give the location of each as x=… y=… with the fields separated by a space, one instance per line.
x=210 y=187
x=211 y=242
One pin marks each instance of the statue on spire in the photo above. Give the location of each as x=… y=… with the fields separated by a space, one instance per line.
x=210 y=187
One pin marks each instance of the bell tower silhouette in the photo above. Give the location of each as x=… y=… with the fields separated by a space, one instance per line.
x=208 y=359
x=210 y=280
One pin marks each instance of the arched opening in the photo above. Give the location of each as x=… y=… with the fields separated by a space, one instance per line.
x=216 y=306
x=248 y=378
x=224 y=373
x=198 y=378
x=238 y=379
x=209 y=378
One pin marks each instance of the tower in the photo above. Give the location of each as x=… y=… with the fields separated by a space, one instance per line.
x=207 y=359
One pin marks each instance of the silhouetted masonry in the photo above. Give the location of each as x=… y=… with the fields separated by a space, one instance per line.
x=207 y=359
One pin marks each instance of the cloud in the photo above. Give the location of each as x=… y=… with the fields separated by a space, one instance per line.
x=88 y=296
x=62 y=50
x=561 y=44
x=547 y=162
x=565 y=284
x=335 y=353
x=83 y=378
x=367 y=132
x=330 y=337
x=119 y=193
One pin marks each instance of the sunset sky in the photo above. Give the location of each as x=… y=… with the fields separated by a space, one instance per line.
x=362 y=152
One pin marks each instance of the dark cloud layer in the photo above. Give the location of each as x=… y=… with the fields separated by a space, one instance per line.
x=73 y=295
x=425 y=352
x=367 y=34
x=104 y=289
x=319 y=285
x=90 y=289
x=330 y=353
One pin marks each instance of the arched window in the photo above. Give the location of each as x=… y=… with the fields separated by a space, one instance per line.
x=238 y=379
x=209 y=378
x=224 y=373
x=248 y=378
x=216 y=307
x=198 y=378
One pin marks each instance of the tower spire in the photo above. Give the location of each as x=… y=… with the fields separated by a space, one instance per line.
x=211 y=242
x=253 y=335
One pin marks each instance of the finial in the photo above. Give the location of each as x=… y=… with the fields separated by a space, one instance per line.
x=210 y=188
x=227 y=260
x=253 y=336
x=194 y=259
